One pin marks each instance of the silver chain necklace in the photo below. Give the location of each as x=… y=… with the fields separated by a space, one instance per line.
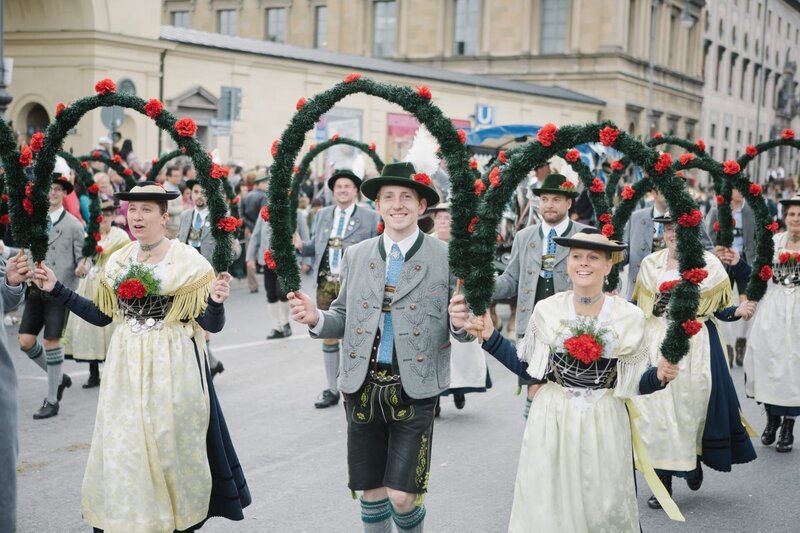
x=588 y=300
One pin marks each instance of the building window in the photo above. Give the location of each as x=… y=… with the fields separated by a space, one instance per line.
x=276 y=24
x=750 y=137
x=745 y=66
x=554 y=26
x=727 y=133
x=738 y=136
x=321 y=27
x=180 y=19
x=384 y=28
x=718 y=70
x=226 y=21
x=754 y=90
x=713 y=131
x=466 y=28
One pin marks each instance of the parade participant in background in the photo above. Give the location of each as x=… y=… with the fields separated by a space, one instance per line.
x=252 y=203
x=64 y=254
x=15 y=271
x=260 y=243
x=744 y=242
x=538 y=268
x=161 y=457
x=175 y=207
x=468 y=369
x=195 y=230
x=392 y=313
x=697 y=418
x=772 y=361
x=83 y=341
x=575 y=464
x=336 y=228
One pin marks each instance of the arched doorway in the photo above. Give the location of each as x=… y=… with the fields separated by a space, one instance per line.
x=35 y=119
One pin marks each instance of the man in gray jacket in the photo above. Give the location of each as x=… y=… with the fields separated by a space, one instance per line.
x=392 y=314
x=11 y=293
x=42 y=311
x=538 y=268
x=336 y=228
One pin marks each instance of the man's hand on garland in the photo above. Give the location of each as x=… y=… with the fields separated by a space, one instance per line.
x=17 y=269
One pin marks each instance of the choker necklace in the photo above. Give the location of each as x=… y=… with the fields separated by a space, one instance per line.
x=794 y=238
x=589 y=300
x=149 y=247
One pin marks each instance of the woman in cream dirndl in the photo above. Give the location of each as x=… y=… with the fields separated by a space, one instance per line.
x=161 y=458
x=697 y=419
x=82 y=341
x=576 y=464
x=772 y=360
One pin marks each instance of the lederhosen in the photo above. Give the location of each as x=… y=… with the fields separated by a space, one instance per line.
x=545 y=288
x=194 y=234
x=389 y=433
x=328 y=284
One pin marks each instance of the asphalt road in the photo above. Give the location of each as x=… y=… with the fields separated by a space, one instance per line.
x=294 y=455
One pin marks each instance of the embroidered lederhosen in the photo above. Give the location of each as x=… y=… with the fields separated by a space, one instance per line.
x=328 y=285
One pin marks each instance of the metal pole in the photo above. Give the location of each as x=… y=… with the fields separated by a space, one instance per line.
x=233 y=119
x=5 y=98
x=761 y=87
x=163 y=56
x=650 y=68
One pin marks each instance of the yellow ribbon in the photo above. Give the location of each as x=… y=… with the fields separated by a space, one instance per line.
x=642 y=462
x=746 y=425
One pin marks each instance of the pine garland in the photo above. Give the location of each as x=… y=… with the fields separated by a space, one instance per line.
x=159 y=163
x=479 y=284
x=416 y=102
x=5 y=218
x=302 y=169
x=90 y=243
x=117 y=166
x=32 y=230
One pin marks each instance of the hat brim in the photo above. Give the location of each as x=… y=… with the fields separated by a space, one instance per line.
x=147 y=196
x=664 y=220
x=444 y=206
x=571 y=193
x=352 y=177
x=582 y=244
x=66 y=185
x=371 y=187
x=261 y=179
x=790 y=201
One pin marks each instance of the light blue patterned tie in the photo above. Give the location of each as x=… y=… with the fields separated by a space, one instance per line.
x=551 y=250
x=387 y=334
x=339 y=232
x=198 y=224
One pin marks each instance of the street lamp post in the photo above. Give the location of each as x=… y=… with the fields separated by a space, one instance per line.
x=5 y=98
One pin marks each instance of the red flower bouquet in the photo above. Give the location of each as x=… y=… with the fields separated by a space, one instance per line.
x=585 y=348
x=131 y=288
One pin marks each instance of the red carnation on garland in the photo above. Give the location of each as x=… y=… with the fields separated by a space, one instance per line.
x=685 y=158
x=295 y=170
x=731 y=167
x=690 y=219
x=787 y=134
x=310 y=147
x=274 y=149
x=695 y=275
x=494 y=178
x=755 y=189
x=183 y=149
x=335 y=137
x=99 y=219
x=765 y=273
x=462 y=136
x=424 y=92
x=479 y=187
x=381 y=227
x=422 y=178
x=664 y=162
x=186 y=127
x=720 y=199
x=131 y=288
x=716 y=226
x=127 y=172
x=679 y=174
x=4 y=198
x=229 y=224
x=117 y=158
x=37 y=141
x=701 y=145
x=472 y=223
x=616 y=165
x=353 y=76
x=667 y=286
x=300 y=103
x=572 y=155
x=153 y=108
x=773 y=228
x=84 y=164
x=547 y=134
x=105 y=86
x=597 y=186
x=751 y=150
x=59 y=108
x=608 y=230
x=96 y=154
x=25 y=155
x=93 y=188
x=692 y=327
x=97 y=235
x=502 y=157
x=608 y=135
x=658 y=135
x=269 y=261
x=27 y=205
x=264 y=213
x=473 y=165
x=98 y=249
x=371 y=147
x=584 y=348
x=5 y=220
x=605 y=218
x=218 y=171
x=235 y=200
x=627 y=192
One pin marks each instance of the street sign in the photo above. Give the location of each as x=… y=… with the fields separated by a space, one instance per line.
x=230 y=103
x=220 y=128
x=112 y=117
x=484 y=115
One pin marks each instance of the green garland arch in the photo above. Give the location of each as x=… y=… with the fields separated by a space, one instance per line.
x=113 y=164
x=67 y=117
x=418 y=103
x=90 y=243
x=159 y=163
x=550 y=141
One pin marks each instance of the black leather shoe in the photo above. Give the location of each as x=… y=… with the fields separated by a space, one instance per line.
x=66 y=382
x=287 y=330
x=773 y=423
x=326 y=399
x=218 y=369
x=697 y=481
x=652 y=502
x=438 y=410
x=460 y=400
x=275 y=334
x=787 y=437
x=741 y=348
x=46 y=410
x=92 y=382
x=730 y=355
